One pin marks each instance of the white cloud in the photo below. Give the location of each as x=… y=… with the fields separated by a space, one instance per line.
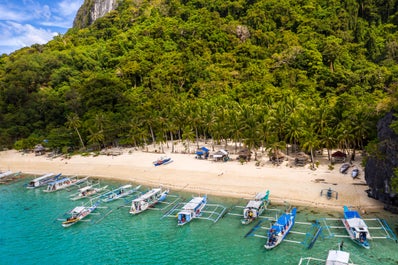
x=26 y=22
x=21 y=35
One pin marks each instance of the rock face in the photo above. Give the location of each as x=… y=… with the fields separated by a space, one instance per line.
x=91 y=10
x=380 y=166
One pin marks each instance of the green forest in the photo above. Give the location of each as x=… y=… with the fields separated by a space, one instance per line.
x=267 y=73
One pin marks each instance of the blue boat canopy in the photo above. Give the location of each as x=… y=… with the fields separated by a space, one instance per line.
x=203 y=150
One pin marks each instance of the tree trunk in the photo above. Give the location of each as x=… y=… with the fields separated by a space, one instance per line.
x=80 y=137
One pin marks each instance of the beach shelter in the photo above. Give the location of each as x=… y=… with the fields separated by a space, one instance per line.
x=244 y=154
x=39 y=150
x=301 y=159
x=277 y=156
x=339 y=157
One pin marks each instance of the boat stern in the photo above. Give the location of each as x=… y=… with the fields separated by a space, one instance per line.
x=183 y=217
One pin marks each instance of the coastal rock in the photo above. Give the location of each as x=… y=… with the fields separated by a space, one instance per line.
x=380 y=165
x=91 y=10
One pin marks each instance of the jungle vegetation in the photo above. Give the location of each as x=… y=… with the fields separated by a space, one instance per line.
x=314 y=73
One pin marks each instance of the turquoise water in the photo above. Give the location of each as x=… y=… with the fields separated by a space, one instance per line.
x=31 y=234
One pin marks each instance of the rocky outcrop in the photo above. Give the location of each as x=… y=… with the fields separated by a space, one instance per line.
x=91 y=10
x=380 y=165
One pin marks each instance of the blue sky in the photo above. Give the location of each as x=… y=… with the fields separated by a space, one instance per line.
x=26 y=22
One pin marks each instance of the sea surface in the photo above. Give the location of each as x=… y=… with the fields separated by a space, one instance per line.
x=31 y=233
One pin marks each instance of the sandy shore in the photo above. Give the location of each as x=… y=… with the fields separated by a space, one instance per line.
x=296 y=185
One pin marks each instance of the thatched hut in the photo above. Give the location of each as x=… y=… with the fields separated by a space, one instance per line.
x=244 y=154
x=301 y=159
x=277 y=156
x=39 y=150
x=339 y=157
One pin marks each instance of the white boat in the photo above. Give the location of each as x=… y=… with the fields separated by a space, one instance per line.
x=78 y=213
x=42 y=180
x=356 y=227
x=64 y=183
x=335 y=257
x=280 y=229
x=147 y=200
x=87 y=191
x=6 y=174
x=255 y=207
x=355 y=173
x=191 y=210
x=118 y=193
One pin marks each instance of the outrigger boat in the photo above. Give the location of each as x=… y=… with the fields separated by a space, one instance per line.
x=335 y=257
x=118 y=193
x=147 y=200
x=280 y=229
x=43 y=180
x=356 y=227
x=162 y=161
x=6 y=174
x=64 y=183
x=87 y=191
x=191 y=210
x=255 y=208
x=78 y=213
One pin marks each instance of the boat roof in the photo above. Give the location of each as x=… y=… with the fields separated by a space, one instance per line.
x=148 y=194
x=86 y=188
x=78 y=209
x=44 y=177
x=261 y=195
x=338 y=257
x=351 y=214
x=59 y=180
x=358 y=223
x=254 y=204
x=284 y=218
x=193 y=203
x=125 y=186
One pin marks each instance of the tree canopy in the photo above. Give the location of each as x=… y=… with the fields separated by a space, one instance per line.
x=313 y=73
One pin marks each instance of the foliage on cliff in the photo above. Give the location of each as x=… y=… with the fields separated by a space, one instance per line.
x=315 y=73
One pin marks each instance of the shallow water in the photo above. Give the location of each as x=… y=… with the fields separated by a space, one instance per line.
x=31 y=234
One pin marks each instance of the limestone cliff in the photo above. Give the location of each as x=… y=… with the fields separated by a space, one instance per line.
x=91 y=10
x=381 y=164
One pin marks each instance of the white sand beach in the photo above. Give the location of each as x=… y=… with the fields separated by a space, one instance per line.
x=295 y=185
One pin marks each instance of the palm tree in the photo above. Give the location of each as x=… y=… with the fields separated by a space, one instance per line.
x=73 y=121
x=328 y=140
x=96 y=137
x=310 y=143
x=188 y=135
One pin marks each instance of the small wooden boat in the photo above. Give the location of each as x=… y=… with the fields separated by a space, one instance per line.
x=87 y=191
x=356 y=227
x=191 y=210
x=64 y=183
x=355 y=173
x=78 y=213
x=162 y=161
x=42 y=180
x=147 y=200
x=344 y=168
x=255 y=207
x=280 y=229
x=119 y=192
